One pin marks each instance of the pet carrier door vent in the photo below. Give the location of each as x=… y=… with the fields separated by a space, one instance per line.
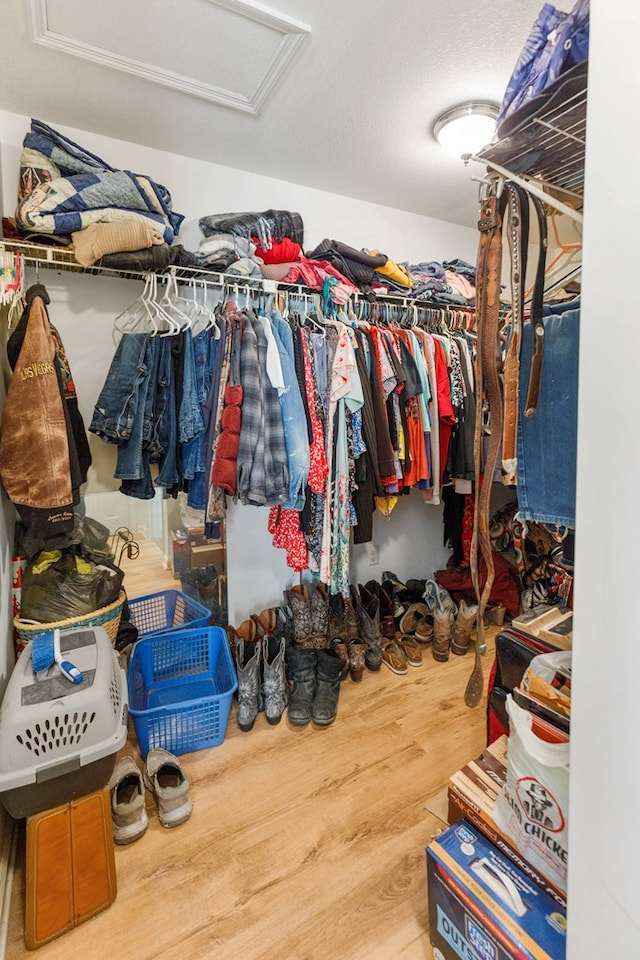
x=63 y=730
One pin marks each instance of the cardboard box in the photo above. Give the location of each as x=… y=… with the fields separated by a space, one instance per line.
x=209 y=553
x=551 y=623
x=482 y=907
x=472 y=794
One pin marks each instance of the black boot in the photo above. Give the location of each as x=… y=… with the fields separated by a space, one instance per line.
x=301 y=673
x=328 y=675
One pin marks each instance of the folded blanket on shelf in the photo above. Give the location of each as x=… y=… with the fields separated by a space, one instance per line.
x=86 y=190
x=269 y=227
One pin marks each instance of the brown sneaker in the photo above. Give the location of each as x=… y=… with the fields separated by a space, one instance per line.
x=393 y=656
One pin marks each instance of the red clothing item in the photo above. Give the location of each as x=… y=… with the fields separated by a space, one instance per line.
x=285 y=527
x=281 y=251
x=446 y=416
x=311 y=273
x=318 y=467
x=505 y=589
x=418 y=467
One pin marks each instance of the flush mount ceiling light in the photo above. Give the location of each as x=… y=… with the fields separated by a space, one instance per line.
x=463 y=130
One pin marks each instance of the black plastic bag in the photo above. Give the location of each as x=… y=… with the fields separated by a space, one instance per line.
x=53 y=588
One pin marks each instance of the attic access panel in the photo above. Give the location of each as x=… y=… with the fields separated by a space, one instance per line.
x=230 y=52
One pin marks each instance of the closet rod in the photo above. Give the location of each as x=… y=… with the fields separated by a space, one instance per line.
x=534 y=189
x=53 y=258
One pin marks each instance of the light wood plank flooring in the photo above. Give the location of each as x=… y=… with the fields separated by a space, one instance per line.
x=303 y=843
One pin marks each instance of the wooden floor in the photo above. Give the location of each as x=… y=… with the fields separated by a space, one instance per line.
x=306 y=844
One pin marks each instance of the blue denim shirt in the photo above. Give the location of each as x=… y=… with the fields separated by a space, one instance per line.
x=293 y=416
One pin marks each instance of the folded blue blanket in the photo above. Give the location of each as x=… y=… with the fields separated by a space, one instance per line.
x=88 y=190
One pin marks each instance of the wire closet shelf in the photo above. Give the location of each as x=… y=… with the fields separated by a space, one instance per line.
x=542 y=144
x=61 y=259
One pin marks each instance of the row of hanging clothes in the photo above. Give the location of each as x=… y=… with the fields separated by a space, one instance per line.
x=273 y=400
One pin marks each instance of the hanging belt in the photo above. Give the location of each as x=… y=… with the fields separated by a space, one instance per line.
x=501 y=406
x=533 y=390
x=489 y=390
x=518 y=228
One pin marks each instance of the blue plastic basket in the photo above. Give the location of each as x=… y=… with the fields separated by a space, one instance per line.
x=165 y=612
x=180 y=689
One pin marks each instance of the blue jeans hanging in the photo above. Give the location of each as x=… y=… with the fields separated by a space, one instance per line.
x=547 y=441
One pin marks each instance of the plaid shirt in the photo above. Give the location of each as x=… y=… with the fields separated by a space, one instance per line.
x=263 y=472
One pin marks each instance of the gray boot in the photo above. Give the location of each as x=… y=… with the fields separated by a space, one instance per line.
x=370 y=631
x=328 y=675
x=274 y=685
x=462 y=627
x=301 y=674
x=248 y=669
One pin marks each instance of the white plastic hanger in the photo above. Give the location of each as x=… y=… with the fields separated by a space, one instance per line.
x=178 y=319
x=135 y=314
x=208 y=314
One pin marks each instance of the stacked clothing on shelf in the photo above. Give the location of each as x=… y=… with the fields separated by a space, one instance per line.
x=269 y=245
x=65 y=189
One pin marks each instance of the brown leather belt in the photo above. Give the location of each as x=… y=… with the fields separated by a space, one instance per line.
x=489 y=385
x=518 y=232
x=535 y=372
x=489 y=393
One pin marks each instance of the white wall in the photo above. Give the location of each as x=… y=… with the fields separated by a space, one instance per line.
x=83 y=308
x=604 y=843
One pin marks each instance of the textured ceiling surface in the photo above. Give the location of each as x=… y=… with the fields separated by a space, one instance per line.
x=346 y=107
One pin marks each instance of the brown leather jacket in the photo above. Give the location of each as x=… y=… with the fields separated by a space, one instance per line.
x=34 y=444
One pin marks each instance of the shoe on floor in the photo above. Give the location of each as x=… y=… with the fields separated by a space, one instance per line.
x=393 y=656
x=165 y=778
x=128 y=814
x=413 y=618
x=411 y=649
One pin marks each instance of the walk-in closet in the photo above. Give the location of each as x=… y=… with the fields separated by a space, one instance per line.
x=316 y=578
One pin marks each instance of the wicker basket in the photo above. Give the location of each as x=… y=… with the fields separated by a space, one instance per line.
x=106 y=617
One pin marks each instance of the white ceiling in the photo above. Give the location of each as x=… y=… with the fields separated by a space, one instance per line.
x=334 y=94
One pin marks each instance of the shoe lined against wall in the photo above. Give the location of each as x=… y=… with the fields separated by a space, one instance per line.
x=248 y=653
x=274 y=683
x=463 y=627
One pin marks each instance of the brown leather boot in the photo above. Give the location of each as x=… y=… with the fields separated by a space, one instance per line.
x=357 y=650
x=248 y=630
x=462 y=627
x=442 y=623
x=341 y=649
x=310 y=608
x=372 y=591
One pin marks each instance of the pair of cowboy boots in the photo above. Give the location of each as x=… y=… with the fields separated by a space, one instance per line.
x=260 y=666
x=258 y=649
x=344 y=634
x=309 y=604
x=314 y=686
x=452 y=624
